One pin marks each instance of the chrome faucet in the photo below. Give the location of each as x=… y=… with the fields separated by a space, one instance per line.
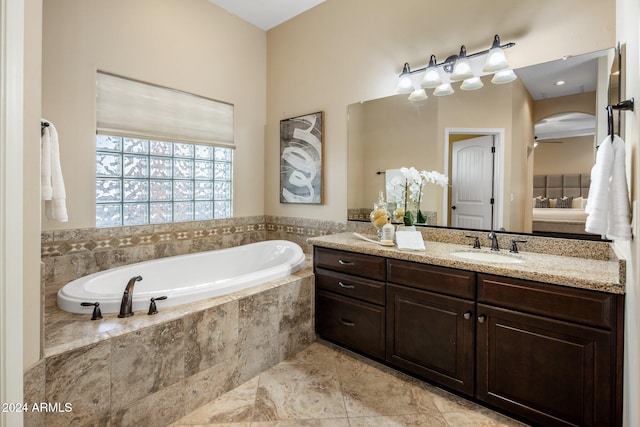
x=126 y=305
x=494 y=240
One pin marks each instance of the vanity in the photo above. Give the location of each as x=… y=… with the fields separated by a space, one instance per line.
x=540 y=338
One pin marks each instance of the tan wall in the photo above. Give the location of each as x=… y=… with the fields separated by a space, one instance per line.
x=572 y=155
x=31 y=192
x=187 y=45
x=342 y=52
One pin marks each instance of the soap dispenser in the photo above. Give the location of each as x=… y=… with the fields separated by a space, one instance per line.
x=388 y=231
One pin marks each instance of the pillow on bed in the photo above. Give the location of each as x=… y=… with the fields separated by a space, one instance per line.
x=565 y=202
x=542 y=202
x=577 y=203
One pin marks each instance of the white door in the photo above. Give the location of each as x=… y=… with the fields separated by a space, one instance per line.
x=472 y=183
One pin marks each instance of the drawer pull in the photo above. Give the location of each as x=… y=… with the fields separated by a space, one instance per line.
x=482 y=318
x=467 y=315
x=343 y=262
x=346 y=322
x=342 y=285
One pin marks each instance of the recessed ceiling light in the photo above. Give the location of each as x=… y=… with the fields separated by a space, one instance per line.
x=560 y=83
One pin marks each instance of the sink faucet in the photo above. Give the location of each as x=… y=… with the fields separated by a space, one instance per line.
x=126 y=305
x=494 y=241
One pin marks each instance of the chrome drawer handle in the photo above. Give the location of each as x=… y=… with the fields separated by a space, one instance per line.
x=343 y=262
x=347 y=322
x=482 y=318
x=467 y=315
x=342 y=285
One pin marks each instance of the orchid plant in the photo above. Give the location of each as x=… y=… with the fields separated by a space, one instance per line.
x=408 y=186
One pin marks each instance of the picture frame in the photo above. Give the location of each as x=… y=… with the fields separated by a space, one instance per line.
x=301 y=159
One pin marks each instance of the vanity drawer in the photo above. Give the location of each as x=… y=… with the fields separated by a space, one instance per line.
x=354 y=323
x=564 y=303
x=369 y=266
x=443 y=280
x=352 y=286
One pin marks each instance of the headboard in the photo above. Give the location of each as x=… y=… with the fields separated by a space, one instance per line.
x=554 y=186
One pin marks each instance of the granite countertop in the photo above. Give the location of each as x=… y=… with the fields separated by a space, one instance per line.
x=598 y=275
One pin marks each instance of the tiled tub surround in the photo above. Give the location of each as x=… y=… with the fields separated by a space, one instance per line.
x=152 y=370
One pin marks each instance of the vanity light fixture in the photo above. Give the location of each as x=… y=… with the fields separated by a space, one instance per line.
x=504 y=76
x=496 y=59
x=418 y=95
x=431 y=77
x=462 y=67
x=405 y=85
x=472 y=83
x=559 y=83
x=443 y=90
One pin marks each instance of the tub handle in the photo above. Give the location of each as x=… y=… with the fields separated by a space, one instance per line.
x=153 y=309
x=346 y=322
x=343 y=262
x=345 y=286
x=97 y=313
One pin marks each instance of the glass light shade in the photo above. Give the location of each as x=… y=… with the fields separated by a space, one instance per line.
x=472 y=84
x=431 y=78
x=405 y=85
x=504 y=76
x=496 y=60
x=418 y=95
x=461 y=70
x=443 y=90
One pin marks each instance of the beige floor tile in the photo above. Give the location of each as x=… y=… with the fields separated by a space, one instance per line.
x=372 y=391
x=235 y=406
x=327 y=386
x=431 y=420
x=299 y=392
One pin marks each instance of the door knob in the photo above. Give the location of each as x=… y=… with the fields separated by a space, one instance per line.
x=467 y=315
x=482 y=318
x=453 y=207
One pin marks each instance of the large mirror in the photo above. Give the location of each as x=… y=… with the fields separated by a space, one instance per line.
x=500 y=146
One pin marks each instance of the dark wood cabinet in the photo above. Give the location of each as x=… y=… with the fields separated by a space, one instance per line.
x=350 y=300
x=431 y=322
x=549 y=354
x=432 y=336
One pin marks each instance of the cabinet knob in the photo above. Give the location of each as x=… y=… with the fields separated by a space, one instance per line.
x=343 y=262
x=467 y=315
x=482 y=318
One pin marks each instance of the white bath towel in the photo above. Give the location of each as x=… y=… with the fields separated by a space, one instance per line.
x=51 y=181
x=608 y=203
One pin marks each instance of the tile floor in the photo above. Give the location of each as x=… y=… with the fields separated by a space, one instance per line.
x=326 y=386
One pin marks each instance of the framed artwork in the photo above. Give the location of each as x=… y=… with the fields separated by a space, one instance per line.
x=301 y=147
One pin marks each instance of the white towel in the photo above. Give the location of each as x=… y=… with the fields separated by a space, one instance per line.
x=51 y=181
x=608 y=202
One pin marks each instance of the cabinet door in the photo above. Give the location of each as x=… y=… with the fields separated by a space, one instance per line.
x=551 y=372
x=431 y=335
x=356 y=324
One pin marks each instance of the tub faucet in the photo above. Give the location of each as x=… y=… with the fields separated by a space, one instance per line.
x=126 y=305
x=494 y=241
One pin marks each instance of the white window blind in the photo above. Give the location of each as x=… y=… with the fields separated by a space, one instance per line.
x=140 y=110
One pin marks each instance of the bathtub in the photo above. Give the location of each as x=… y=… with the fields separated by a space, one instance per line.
x=184 y=278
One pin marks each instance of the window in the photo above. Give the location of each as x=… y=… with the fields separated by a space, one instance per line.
x=162 y=155
x=145 y=181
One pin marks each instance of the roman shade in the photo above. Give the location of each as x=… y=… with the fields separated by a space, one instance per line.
x=131 y=108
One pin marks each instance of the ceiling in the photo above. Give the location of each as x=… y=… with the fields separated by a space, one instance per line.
x=266 y=14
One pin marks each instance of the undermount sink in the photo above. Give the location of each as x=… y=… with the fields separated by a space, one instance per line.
x=496 y=257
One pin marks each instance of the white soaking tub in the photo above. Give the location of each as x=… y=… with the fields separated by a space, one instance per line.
x=184 y=278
